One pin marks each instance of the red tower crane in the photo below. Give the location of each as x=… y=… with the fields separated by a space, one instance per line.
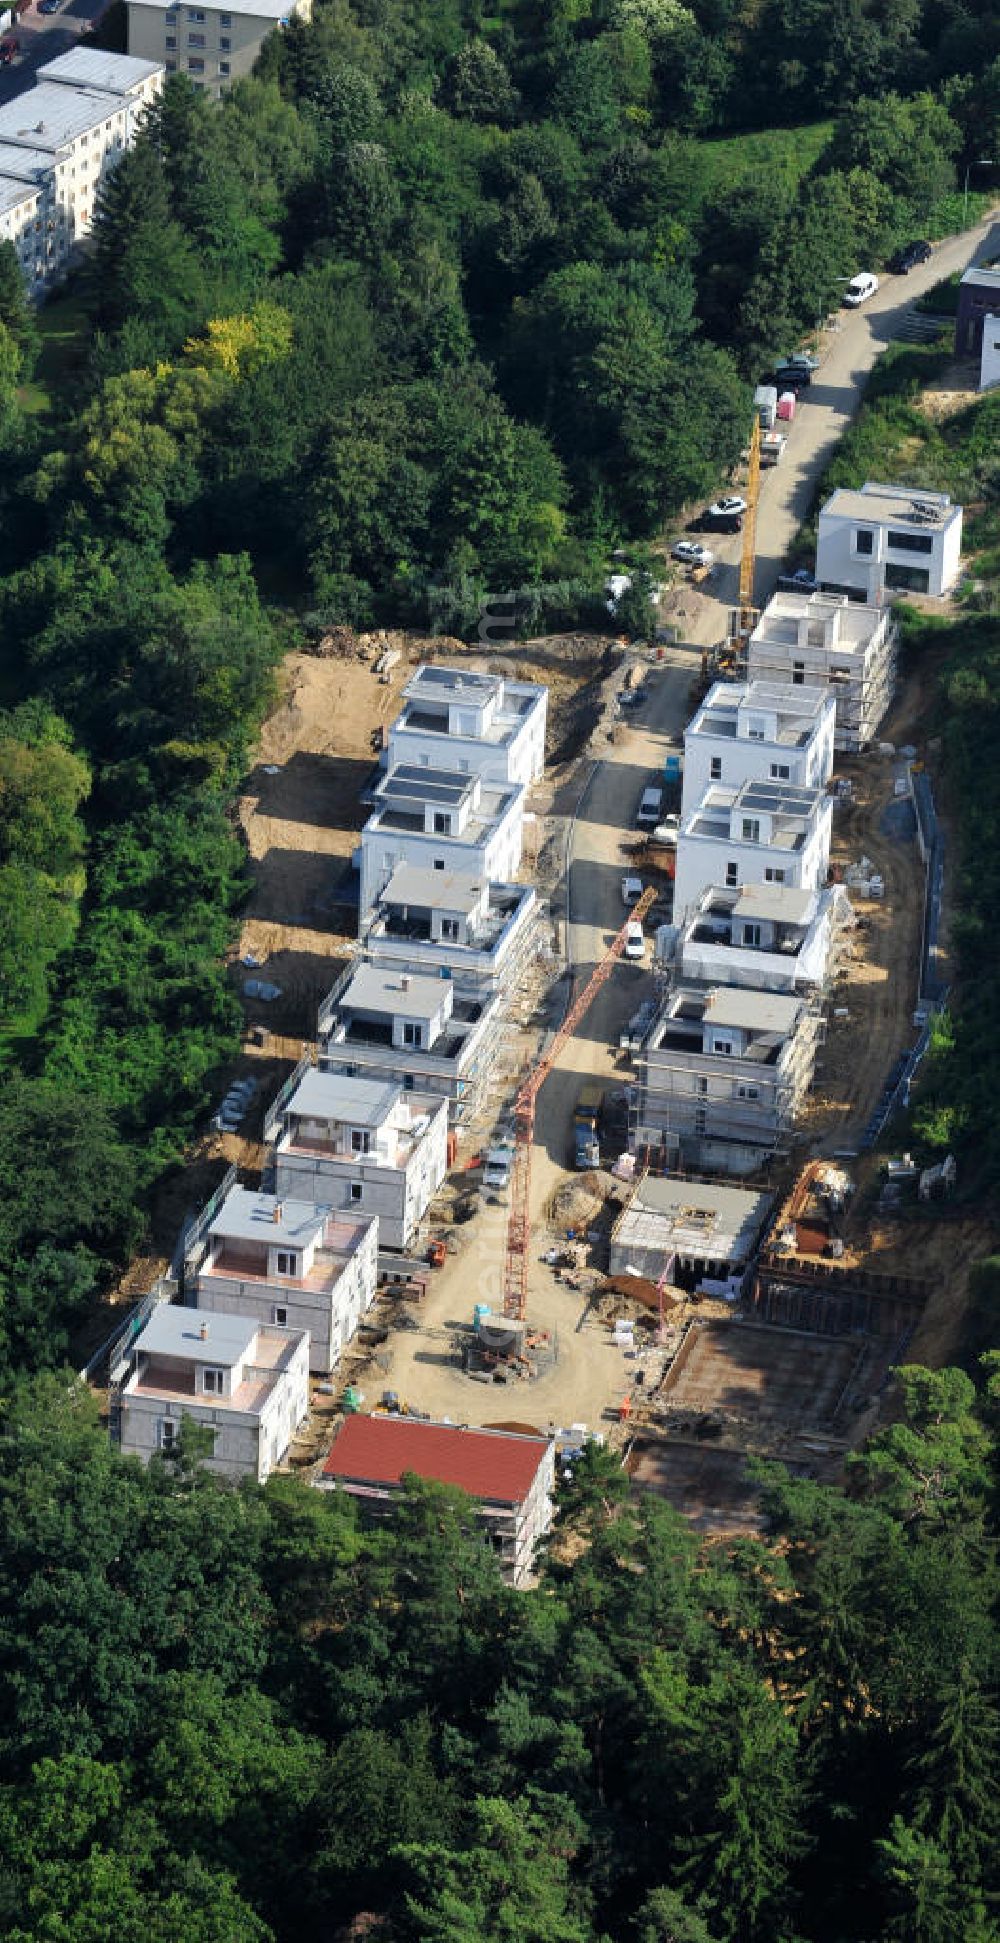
x=515 y=1266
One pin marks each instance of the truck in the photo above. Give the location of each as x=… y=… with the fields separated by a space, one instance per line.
x=765 y=401
x=772 y=445
x=587 y=1116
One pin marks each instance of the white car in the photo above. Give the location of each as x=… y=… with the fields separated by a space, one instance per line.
x=860 y=288
x=692 y=554
x=724 y=508
x=635 y=940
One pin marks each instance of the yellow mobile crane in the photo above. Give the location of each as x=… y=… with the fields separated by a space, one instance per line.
x=743 y=620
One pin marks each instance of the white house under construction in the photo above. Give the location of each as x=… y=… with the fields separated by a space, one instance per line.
x=828 y=641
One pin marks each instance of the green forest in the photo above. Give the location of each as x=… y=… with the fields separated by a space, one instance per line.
x=442 y=303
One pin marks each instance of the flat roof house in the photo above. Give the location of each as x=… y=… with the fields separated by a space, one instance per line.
x=710 y=1228
x=213 y=46
x=390 y=1025
x=292 y=1265
x=978 y=295
x=768 y=937
x=485 y=725
x=365 y=1147
x=761 y=833
x=832 y=643
x=244 y=1381
x=439 y=819
x=512 y=1476
x=888 y=539
x=449 y=924
x=761 y=731
x=724 y=1072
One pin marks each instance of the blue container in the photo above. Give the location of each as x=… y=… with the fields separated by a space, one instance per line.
x=480 y=1314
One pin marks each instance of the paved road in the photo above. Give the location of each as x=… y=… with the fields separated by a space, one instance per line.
x=788 y=489
x=42 y=37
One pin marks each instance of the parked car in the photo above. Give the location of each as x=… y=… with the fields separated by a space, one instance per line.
x=908 y=257
x=860 y=288
x=9 y=47
x=635 y=939
x=799 y=582
x=732 y=503
x=801 y=360
x=792 y=377
x=691 y=553
x=49 y=6
x=631 y=889
x=718 y=523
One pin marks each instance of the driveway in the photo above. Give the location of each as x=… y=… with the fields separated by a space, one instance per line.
x=788 y=489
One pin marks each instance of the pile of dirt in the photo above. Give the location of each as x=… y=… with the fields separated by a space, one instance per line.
x=578 y=1202
x=638 y=1289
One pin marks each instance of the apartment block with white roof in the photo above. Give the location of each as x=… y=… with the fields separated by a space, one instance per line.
x=485 y=725
x=829 y=642
x=366 y=1147
x=723 y=1073
x=759 y=731
x=213 y=46
x=290 y=1264
x=888 y=539
x=443 y=820
x=761 y=833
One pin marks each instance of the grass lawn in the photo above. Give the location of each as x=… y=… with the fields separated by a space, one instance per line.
x=64 y=332
x=784 y=155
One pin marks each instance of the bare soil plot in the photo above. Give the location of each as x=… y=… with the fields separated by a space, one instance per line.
x=707 y=1483
x=772 y=1377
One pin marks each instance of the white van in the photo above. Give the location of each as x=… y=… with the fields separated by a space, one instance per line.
x=860 y=288
x=650 y=805
x=635 y=940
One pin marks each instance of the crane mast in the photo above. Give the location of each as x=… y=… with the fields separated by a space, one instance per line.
x=515 y=1267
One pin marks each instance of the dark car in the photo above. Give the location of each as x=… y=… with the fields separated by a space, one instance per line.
x=49 y=6
x=908 y=257
x=792 y=377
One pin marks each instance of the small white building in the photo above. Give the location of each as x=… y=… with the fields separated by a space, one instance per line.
x=768 y=937
x=482 y=725
x=758 y=731
x=708 y=1227
x=59 y=141
x=762 y=833
x=391 y=1025
x=989 y=357
x=888 y=539
x=511 y=1476
x=246 y=1382
x=448 y=924
x=365 y=1147
x=293 y=1265
x=213 y=46
x=828 y=641
x=439 y=819
x=723 y=1073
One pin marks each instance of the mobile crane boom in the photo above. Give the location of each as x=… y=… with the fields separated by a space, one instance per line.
x=515 y=1267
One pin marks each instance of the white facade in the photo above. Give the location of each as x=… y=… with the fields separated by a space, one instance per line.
x=364 y=1147
x=59 y=141
x=485 y=725
x=989 y=365
x=888 y=539
x=764 y=936
x=388 y=1025
x=724 y=1072
x=247 y=1383
x=292 y=1265
x=762 y=833
x=213 y=46
x=439 y=819
x=447 y=924
x=759 y=731
x=830 y=642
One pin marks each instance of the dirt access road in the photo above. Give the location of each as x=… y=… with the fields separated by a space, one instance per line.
x=590 y=1374
x=787 y=490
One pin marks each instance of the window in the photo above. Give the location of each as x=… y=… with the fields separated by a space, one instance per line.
x=916 y=579
x=449 y=929
x=911 y=542
x=288 y=1262
x=213 y=1382
x=780 y=772
x=442 y=823
x=196 y=66
x=748 y=1092
x=700 y=1119
x=751 y=829
x=357 y=1190
x=701 y=1086
x=439 y=863
x=715 y=769
x=279 y=1317
x=361 y=1140
x=168 y=1433
x=171 y=22
x=225 y=43
x=412 y=1034
x=772 y=876
x=223 y=67
x=732 y=876
x=171 y=40
x=864 y=541
x=723 y=1046
x=757 y=729
x=196 y=40
x=751 y=936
